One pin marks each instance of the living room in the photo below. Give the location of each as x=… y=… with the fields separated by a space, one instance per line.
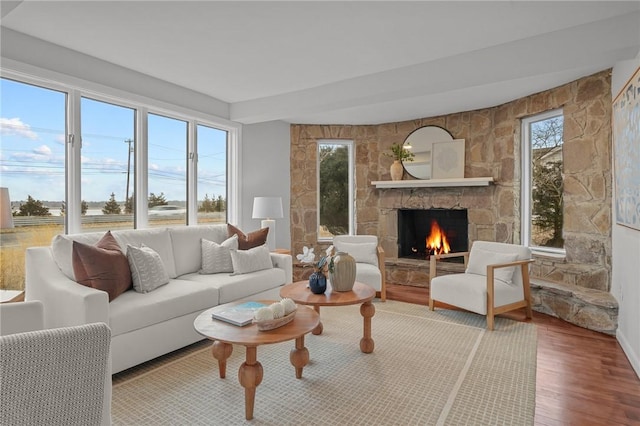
x=277 y=127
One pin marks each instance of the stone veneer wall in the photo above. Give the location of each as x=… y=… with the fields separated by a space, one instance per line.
x=492 y=149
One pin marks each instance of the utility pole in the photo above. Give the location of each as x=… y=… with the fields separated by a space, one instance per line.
x=130 y=149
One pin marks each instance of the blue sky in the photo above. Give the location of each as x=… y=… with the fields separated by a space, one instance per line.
x=32 y=150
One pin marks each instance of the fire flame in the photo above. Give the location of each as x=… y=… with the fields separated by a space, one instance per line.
x=437 y=241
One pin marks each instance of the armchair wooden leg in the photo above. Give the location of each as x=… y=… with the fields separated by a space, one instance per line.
x=490 y=321
x=431 y=304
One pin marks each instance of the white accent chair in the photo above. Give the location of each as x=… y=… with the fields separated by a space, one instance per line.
x=369 y=258
x=496 y=280
x=58 y=376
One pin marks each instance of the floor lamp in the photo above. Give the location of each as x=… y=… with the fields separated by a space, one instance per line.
x=268 y=209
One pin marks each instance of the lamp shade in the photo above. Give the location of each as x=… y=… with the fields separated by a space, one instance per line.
x=267 y=208
x=6 y=218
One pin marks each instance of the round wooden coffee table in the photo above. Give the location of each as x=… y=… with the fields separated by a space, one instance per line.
x=299 y=292
x=225 y=335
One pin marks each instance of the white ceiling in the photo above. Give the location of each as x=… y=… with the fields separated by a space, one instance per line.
x=349 y=62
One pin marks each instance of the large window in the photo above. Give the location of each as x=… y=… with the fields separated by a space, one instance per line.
x=212 y=174
x=542 y=181
x=167 y=199
x=335 y=188
x=107 y=155
x=32 y=168
x=77 y=160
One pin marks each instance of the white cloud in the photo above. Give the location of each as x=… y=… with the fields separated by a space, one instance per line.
x=42 y=150
x=15 y=127
x=60 y=139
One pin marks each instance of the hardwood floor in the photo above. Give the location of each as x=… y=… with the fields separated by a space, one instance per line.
x=583 y=377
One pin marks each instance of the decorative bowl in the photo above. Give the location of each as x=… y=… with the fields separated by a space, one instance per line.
x=275 y=323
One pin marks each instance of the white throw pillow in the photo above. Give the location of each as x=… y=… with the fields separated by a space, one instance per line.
x=216 y=257
x=361 y=252
x=147 y=269
x=479 y=259
x=255 y=259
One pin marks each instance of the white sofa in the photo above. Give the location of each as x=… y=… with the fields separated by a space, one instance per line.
x=146 y=325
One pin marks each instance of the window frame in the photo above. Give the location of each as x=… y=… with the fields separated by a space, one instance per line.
x=349 y=143
x=527 y=184
x=75 y=89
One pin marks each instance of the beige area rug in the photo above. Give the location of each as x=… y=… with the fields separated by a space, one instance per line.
x=428 y=368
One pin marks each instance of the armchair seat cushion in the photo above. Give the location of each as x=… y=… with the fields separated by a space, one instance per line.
x=370 y=274
x=469 y=291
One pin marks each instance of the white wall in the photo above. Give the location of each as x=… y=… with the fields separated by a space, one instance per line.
x=266 y=172
x=625 y=281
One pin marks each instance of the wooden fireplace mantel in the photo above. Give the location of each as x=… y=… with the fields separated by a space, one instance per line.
x=433 y=183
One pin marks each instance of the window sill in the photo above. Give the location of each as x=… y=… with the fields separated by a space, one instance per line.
x=558 y=256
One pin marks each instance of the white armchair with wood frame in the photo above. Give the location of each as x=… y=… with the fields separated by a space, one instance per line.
x=496 y=280
x=369 y=258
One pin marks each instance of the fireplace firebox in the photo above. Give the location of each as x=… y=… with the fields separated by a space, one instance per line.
x=423 y=232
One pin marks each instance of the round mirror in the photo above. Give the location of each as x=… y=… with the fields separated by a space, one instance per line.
x=419 y=142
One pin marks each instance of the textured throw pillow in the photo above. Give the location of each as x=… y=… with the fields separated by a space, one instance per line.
x=361 y=252
x=250 y=240
x=255 y=259
x=147 y=269
x=103 y=266
x=479 y=259
x=216 y=257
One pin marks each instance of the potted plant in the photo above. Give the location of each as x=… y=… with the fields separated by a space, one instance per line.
x=399 y=155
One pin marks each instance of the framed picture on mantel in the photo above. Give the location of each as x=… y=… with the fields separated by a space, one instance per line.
x=448 y=159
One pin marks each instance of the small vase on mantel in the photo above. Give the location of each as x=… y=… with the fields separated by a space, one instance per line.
x=396 y=170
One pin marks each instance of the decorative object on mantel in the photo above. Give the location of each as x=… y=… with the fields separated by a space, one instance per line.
x=400 y=154
x=448 y=159
x=421 y=141
x=343 y=272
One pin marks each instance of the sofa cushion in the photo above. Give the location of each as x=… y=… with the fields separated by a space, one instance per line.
x=361 y=252
x=133 y=310
x=158 y=239
x=187 y=246
x=147 y=269
x=254 y=259
x=103 y=266
x=216 y=258
x=234 y=287
x=480 y=258
x=250 y=240
x=62 y=248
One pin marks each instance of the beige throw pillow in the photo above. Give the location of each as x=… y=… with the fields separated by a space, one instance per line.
x=147 y=269
x=216 y=258
x=480 y=258
x=255 y=259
